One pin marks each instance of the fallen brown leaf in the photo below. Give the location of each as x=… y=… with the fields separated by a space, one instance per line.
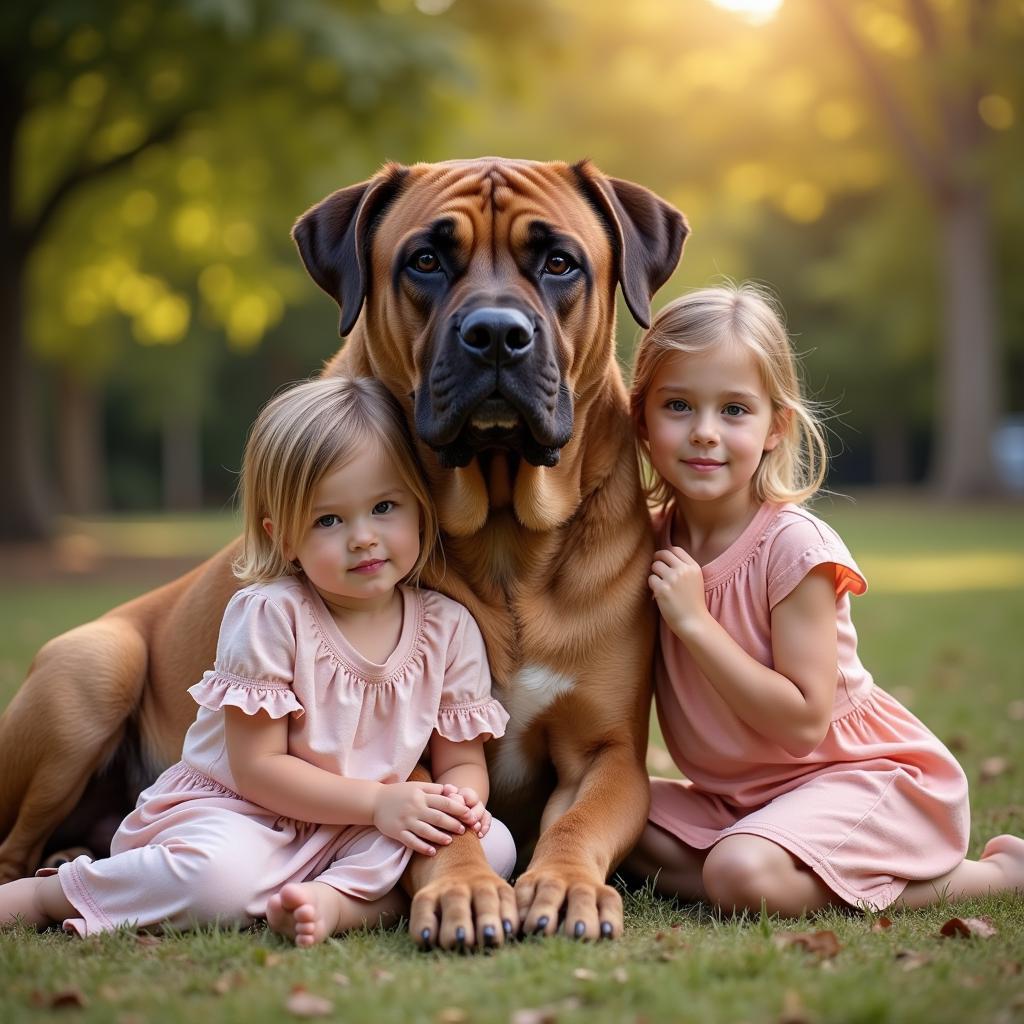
x=146 y=940
x=992 y=767
x=968 y=927
x=882 y=924
x=301 y=1003
x=381 y=976
x=910 y=959
x=824 y=944
x=958 y=743
x=584 y=974
x=65 y=998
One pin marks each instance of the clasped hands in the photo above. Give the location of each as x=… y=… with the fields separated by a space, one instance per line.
x=425 y=815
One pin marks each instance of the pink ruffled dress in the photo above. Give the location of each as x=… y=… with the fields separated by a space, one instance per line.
x=194 y=850
x=879 y=802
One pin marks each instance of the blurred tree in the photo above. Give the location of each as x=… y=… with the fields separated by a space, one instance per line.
x=152 y=159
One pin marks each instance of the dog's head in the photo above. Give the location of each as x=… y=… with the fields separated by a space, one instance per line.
x=483 y=294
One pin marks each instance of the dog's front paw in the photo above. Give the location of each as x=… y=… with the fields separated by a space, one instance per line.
x=586 y=907
x=474 y=910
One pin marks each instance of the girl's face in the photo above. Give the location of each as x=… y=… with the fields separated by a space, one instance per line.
x=708 y=419
x=363 y=534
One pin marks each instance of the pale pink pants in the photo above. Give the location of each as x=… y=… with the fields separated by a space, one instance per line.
x=193 y=853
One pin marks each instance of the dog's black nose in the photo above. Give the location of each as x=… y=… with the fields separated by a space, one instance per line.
x=496 y=335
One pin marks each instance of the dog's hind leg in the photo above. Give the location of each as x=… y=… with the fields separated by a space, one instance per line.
x=64 y=724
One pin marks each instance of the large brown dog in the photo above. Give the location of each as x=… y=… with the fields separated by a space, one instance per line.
x=482 y=293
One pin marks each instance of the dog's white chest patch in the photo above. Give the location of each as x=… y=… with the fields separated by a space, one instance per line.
x=529 y=693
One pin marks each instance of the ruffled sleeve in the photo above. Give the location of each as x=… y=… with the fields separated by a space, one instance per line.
x=468 y=711
x=802 y=543
x=255 y=660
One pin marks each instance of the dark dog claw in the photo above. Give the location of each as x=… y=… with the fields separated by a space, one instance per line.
x=579 y=929
x=489 y=935
x=460 y=936
x=606 y=930
x=542 y=923
x=506 y=926
x=425 y=938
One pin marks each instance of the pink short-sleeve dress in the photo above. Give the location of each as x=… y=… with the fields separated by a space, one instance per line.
x=194 y=850
x=881 y=801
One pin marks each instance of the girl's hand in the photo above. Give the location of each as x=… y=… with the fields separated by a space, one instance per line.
x=419 y=814
x=677 y=583
x=477 y=817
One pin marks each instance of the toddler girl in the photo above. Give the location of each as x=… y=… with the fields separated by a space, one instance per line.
x=332 y=677
x=806 y=784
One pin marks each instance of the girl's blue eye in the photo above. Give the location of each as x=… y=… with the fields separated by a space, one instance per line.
x=382 y=508
x=328 y=520
x=677 y=405
x=734 y=410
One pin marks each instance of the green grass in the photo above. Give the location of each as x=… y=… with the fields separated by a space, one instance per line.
x=949 y=649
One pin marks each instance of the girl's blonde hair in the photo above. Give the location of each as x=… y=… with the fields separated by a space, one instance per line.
x=794 y=470
x=300 y=436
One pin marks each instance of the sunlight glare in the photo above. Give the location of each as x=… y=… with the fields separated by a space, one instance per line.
x=753 y=10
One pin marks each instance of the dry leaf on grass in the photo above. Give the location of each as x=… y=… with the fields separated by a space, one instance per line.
x=146 y=940
x=881 y=924
x=910 y=959
x=968 y=927
x=452 y=1015
x=70 y=997
x=824 y=944
x=992 y=767
x=584 y=974
x=381 y=976
x=301 y=1003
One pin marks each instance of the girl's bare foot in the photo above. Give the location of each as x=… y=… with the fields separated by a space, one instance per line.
x=1006 y=853
x=307 y=912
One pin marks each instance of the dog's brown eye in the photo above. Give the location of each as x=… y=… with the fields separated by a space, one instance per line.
x=425 y=261
x=558 y=264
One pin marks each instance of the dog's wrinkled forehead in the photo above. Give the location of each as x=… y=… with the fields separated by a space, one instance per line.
x=488 y=204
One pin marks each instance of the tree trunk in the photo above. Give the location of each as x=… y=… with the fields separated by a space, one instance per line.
x=24 y=511
x=969 y=396
x=890 y=456
x=182 y=460
x=81 y=456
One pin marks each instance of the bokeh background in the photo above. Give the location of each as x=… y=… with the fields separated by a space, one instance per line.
x=862 y=158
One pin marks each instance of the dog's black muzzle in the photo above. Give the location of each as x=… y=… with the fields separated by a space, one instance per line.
x=494 y=383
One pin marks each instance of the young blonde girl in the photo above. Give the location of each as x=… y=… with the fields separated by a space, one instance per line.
x=806 y=784
x=332 y=678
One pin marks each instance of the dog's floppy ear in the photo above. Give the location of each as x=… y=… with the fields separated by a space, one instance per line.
x=334 y=239
x=647 y=233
